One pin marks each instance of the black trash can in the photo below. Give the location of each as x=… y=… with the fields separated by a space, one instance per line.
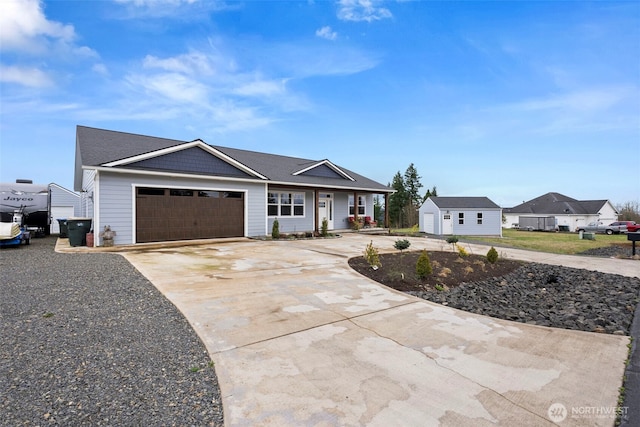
x=78 y=229
x=64 y=231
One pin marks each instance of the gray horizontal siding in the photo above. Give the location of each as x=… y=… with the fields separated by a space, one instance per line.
x=491 y=223
x=116 y=201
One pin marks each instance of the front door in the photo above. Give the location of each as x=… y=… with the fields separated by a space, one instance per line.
x=325 y=209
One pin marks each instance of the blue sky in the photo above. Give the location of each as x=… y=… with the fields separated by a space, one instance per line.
x=508 y=100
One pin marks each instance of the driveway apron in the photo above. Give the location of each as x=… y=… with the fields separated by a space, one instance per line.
x=298 y=338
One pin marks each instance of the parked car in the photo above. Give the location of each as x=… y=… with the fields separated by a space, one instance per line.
x=599 y=227
x=630 y=225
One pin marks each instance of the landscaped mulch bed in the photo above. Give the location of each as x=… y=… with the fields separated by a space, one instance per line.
x=531 y=293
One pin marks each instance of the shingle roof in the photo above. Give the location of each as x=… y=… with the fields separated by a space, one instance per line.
x=97 y=147
x=557 y=204
x=463 y=202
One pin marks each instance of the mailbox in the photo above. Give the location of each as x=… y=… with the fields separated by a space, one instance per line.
x=633 y=237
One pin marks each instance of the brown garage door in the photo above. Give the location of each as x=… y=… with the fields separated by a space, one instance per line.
x=185 y=214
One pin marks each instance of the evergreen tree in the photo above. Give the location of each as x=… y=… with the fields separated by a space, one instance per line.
x=433 y=192
x=397 y=200
x=405 y=202
x=412 y=185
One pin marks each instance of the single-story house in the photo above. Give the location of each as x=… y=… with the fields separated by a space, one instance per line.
x=64 y=204
x=568 y=213
x=155 y=189
x=471 y=216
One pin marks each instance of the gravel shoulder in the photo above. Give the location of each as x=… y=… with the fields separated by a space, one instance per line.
x=87 y=340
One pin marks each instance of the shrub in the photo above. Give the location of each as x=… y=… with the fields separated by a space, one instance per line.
x=415 y=229
x=372 y=256
x=452 y=240
x=423 y=265
x=401 y=244
x=492 y=255
x=275 y=229
x=462 y=251
x=324 y=228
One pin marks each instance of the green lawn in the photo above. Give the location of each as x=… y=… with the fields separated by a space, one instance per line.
x=560 y=243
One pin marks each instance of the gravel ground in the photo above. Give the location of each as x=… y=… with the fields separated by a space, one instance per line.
x=555 y=296
x=87 y=340
x=548 y=295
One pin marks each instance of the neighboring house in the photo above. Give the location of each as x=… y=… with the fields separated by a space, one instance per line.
x=470 y=216
x=568 y=213
x=64 y=204
x=154 y=189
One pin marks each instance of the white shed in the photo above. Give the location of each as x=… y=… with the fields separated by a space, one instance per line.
x=64 y=204
x=469 y=216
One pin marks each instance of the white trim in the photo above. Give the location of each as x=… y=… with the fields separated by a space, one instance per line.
x=332 y=187
x=96 y=207
x=223 y=178
x=244 y=191
x=181 y=147
x=266 y=209
x=329 y=164
x=73 y=193
x=281 y=191
x=134 y=213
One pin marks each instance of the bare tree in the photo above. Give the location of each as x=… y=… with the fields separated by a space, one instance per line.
x=629 y=211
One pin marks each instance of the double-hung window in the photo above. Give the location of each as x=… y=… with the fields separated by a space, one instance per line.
x=361 y=206
x=461 y=218
x=285 y=204
x=479 y=218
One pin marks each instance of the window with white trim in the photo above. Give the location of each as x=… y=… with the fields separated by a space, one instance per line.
x=285 y=204
x=479 y=218
x=361 y=206
x=461 y=218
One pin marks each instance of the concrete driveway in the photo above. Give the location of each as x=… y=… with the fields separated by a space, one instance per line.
x=298 y=338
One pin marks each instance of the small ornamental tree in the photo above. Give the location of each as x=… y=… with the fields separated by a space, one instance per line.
x=452 y=240
x=423 y=265
x=324 y=229
x=275 y=229
x=401 y=244
x=492 y=255
x=372 y=256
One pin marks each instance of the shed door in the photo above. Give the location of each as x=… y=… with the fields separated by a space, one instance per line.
x=186 y=214
x=447 y=224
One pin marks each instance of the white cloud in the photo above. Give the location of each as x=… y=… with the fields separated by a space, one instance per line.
x=579 y=101
x=175 y=9
x=190 y=63
x=326 y=33
x=171 y=87
x=362 y=10
x=260 y=87
x=23 y=26
x=100 y=69
x=153 y=3
x=31 y=77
